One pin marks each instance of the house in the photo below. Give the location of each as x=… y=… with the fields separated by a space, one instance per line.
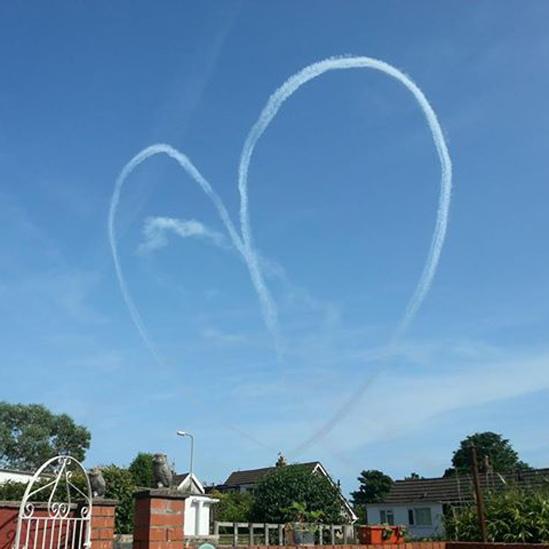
x=420 y=504
x=12 y=475
x=245 y=481
x=198 y=506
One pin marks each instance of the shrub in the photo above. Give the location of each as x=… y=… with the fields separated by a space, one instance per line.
x=233 y=506
x=120 y=486
x=278 y=492
x=512 y=516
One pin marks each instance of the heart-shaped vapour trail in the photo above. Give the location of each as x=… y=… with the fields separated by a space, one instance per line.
x=243 y=239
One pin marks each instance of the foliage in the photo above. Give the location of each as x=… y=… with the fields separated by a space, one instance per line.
x=512 y=516
x=120 y=486
x=298 y=512
x=13 y=491
x=374 y=486
x=233 y=506
x=30 y=434
x=414 y=476
x=493 y=451
x=141 y=469
x=280 y=489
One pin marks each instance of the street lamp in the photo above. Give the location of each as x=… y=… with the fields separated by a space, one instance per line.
x=185 y=434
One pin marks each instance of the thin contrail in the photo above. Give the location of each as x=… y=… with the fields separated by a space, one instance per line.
x=267 y=304
x=266 y=117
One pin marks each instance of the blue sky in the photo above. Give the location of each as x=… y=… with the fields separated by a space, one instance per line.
x=343 y=195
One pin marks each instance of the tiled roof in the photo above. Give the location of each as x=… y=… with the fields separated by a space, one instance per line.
x=251 y=476
x=459 y=488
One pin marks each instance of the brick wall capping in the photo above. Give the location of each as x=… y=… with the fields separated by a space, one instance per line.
x=37 y=504
x=160 y=493
x=105 y=502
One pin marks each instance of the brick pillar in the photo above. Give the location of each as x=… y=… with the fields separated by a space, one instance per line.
x=102 y=523
x=158 y=519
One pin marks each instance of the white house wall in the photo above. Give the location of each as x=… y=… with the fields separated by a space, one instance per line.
x=400 y=513
x=197 y=515
x=14 y=476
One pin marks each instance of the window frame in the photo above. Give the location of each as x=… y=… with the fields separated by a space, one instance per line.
x=415 y=513
x=389 y=516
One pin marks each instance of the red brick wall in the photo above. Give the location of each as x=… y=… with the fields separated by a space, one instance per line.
x=478 y=545
x=8 y=526
x=415 y=545
x=158 y=522
x=102 y=526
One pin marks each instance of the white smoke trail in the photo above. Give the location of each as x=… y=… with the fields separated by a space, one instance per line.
x=244 y=243
x=266 y=117
x=155 y=230
x=268 y=307
x=339 y=63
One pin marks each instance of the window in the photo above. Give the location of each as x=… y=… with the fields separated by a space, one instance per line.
x=411 y=520
x=423 y=516
x=386 y=516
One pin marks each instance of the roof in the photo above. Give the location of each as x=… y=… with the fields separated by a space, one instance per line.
x=251 y=476
x=17 y=472
x=459 y=488
x=182 y=479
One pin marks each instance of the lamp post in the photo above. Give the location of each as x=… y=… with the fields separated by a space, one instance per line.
x=185 y=434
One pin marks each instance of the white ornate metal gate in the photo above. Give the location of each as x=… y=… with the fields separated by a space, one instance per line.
x=61 y=520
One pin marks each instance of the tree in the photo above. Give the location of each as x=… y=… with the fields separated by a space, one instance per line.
x=276 y=494
x=141 y=469
x=233 y=506
x=493 y=452
x=374 y=486
x=30 y=434
x=414 y=476
x=120 y=486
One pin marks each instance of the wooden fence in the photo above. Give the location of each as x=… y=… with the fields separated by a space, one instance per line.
x=259 y=533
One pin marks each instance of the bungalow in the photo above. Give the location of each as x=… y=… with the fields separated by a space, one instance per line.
x=246 y=481
x=420 y=504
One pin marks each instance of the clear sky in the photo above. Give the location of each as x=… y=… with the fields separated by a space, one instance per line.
x=343 y=195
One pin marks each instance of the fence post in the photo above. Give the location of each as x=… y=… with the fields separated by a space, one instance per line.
x=235 y=534
x=332 y=534
x=280 y=534
x=216 y=528
x=251 y=535
x=266 y=534
x=102 y=523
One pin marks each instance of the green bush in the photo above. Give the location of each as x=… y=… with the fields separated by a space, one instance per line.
x=120 y=486
x=233 y=506
x=278 y=492
x=512 y=516
x=141 y=469
x=13 y=491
